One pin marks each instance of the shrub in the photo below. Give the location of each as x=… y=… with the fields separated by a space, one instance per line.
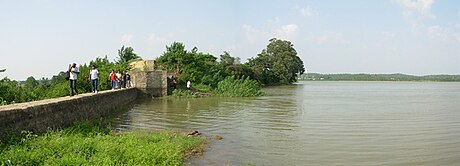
x=233 y=87
x=203 y=88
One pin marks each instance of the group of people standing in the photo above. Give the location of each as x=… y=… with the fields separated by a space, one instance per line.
x=118 y=80
x=173 y=82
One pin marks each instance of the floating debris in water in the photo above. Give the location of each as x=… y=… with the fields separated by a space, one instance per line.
x=218 y=137
x=193 y=133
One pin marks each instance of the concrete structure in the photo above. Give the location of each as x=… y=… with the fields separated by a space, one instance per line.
x=38 y=116
x=150 y=81
x=153 y=83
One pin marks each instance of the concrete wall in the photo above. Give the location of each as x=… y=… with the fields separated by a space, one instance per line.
x=153 y=83
x=38 y=116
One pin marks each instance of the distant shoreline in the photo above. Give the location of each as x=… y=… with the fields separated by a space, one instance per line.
x=378 y=77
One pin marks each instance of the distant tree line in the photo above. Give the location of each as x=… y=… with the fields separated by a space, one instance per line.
x=377 y=77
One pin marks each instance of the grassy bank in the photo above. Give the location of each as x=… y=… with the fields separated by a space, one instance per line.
x=93 y=143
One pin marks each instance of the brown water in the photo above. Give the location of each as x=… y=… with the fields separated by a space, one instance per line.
x=319 y=123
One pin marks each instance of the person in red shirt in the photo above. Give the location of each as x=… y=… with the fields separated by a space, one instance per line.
x=113 y=79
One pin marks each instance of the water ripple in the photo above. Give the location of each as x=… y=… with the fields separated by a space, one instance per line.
x=318 y=123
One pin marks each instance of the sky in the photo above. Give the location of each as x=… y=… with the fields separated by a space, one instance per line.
x=41 y=37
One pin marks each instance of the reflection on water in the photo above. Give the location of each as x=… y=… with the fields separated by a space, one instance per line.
x=319 y=123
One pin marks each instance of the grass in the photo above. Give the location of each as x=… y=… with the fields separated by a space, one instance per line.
x=93 y=143
x=234 y=87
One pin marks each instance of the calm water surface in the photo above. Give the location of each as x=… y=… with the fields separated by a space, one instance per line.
x=318 y=123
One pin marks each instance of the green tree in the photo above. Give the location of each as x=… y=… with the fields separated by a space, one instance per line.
x=175 y=57
x=231 y=66
x=191 y=65
x=126 y=55
x=11 y=92
x=277 y=64
x=31 y=90
x=30 y=83
x=227 y=60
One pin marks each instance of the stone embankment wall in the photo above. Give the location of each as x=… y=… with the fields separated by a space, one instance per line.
x=38 y=116
x=153 y=83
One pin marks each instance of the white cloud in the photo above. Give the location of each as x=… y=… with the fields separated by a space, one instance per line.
x=437 y=32
x=153 y=38
x=252 y=34
x=126 y=39
x=287 y=31
x=306 y=11
x=420 y=7
x=331 y=37
x=416 y=12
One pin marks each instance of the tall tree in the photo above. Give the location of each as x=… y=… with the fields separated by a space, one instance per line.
x=175 y=57
x=30 y=83
x=127 y=54
x=191 y=65
x=278 y=63
x=227 y=60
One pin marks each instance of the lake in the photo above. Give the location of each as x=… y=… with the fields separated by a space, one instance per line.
x=318 y=123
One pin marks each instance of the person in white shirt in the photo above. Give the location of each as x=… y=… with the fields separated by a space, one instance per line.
x=94 y=76
x=118 y=80
x=73 y=72
x=189 y=85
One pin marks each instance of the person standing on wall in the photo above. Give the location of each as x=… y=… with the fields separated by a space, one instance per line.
x=128 y=80
x=73 y=72
x=123 y=77
x=113 y=79
x=94 y=76
x=118 y=74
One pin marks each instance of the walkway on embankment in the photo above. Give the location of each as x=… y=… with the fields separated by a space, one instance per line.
x=38 y=116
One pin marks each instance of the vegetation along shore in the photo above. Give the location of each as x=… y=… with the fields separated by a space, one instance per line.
x=95 y=143
x=277 y=64
x=377 y=77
